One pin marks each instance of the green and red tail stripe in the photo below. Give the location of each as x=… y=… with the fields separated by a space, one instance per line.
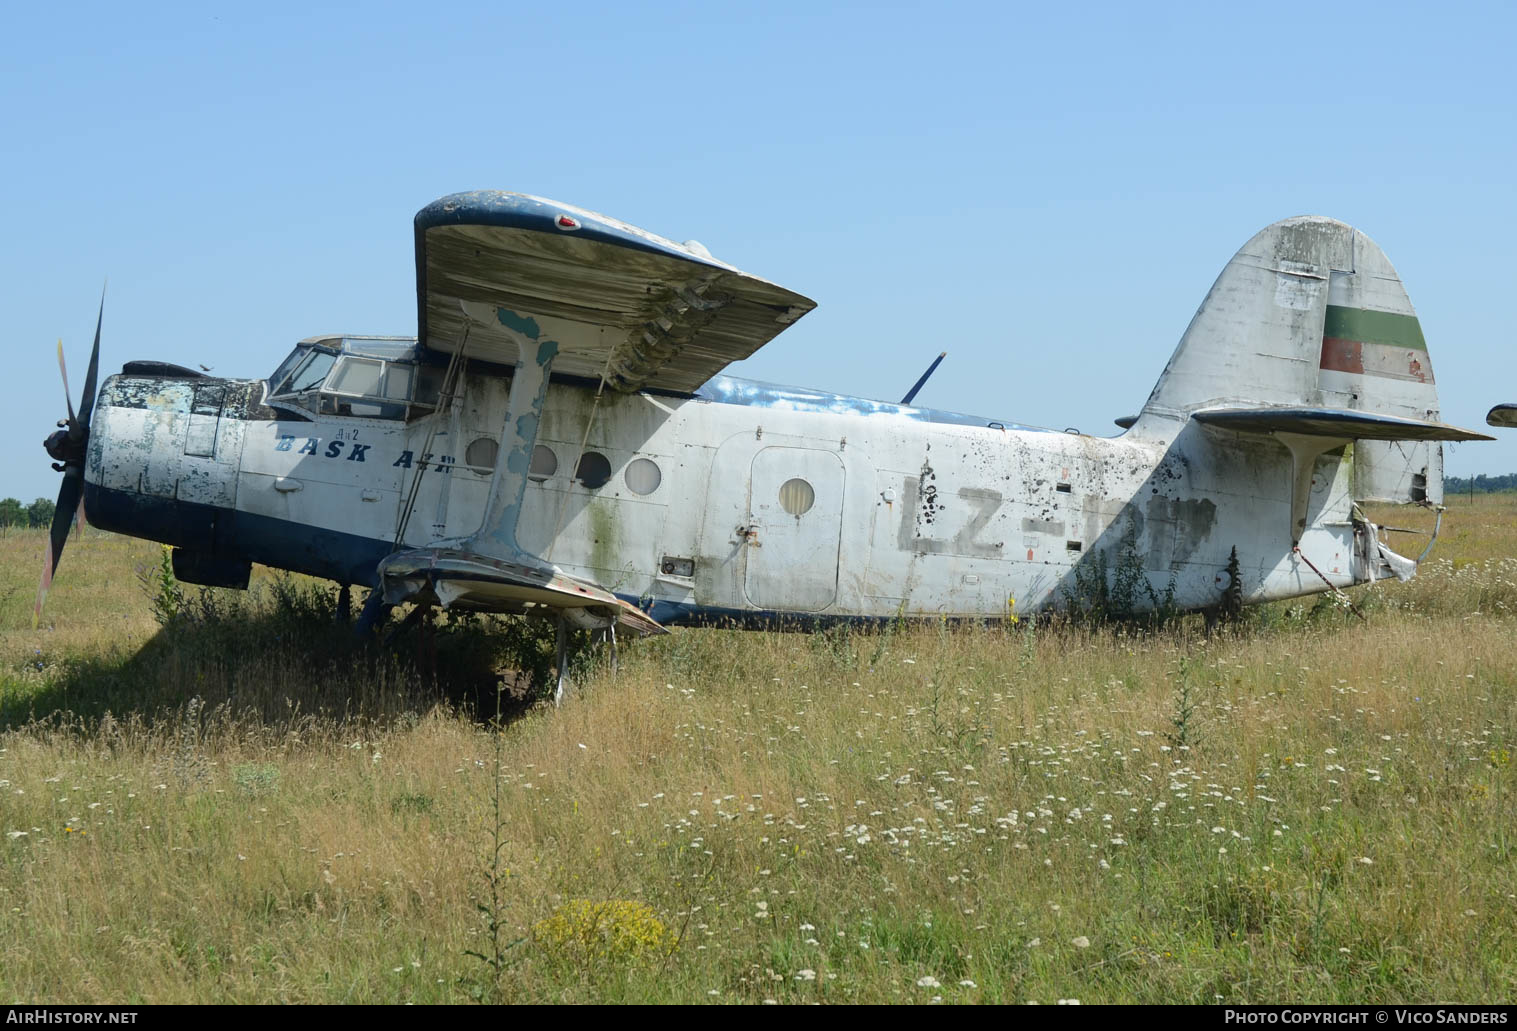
x=1375 y=343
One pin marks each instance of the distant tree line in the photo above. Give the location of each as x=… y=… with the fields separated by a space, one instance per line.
x=14 y=513
x=1481 y=483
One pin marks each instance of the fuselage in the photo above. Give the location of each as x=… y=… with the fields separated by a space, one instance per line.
x=746 y=501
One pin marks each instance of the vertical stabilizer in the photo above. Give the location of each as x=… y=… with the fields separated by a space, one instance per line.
x=1311 y=313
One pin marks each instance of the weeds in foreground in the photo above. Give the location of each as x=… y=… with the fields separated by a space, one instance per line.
x=1184 y=716
x=1336 y=829
x=497 y=878
x=1106 y=591
x=164 y=594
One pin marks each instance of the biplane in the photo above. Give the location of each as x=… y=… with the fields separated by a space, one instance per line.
x=560 y=438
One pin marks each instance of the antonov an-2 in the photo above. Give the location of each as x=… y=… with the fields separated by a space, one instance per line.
x=559 y=438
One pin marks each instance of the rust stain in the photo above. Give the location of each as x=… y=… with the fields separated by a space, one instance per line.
x=1342 y=355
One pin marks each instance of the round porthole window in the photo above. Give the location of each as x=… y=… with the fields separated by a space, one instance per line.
x=643 y=476
x=594 y=470
x=481 y=454
x=544 y=464
x=797 y=496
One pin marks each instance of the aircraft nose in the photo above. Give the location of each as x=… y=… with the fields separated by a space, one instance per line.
x=165 y=452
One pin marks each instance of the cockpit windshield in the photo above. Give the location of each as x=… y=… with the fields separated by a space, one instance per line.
x=309 y=374
x=370 y=377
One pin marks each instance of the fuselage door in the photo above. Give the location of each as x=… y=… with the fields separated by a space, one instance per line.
x=795 y=515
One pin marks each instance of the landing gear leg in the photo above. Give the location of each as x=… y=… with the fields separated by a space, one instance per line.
x=562 y=687
x=607 y=637
x=375 y=612
x=344 y=605
x=416 y=617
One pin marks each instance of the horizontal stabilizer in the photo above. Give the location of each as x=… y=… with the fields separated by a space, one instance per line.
x=1336 y=423
x=1502 y=415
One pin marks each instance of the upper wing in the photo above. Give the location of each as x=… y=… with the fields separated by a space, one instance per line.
x=645 y=311
x=1338 y=423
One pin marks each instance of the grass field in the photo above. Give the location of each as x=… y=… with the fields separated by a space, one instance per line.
x=240 y=807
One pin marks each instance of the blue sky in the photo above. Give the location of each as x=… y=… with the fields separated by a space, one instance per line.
x=1046 y=194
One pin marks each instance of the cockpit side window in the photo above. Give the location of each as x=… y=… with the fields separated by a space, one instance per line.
x=360 y=376
x=367 y=387
x=428 y=389
x=369 y=378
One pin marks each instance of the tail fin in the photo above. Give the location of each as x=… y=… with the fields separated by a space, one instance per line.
x=1311 y=314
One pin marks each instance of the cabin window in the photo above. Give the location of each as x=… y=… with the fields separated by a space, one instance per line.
x=642 y=476
x=593 y=471
x=480 y=456
x=797 y=496
x=544 y=464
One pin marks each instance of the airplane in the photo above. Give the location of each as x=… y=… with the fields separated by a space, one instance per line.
x=559 y=438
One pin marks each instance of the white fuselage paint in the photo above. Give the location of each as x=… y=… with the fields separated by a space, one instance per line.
x=906 y=516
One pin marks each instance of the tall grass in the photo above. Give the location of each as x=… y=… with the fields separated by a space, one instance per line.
x=245 y=807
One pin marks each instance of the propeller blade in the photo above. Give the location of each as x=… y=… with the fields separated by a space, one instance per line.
x=68 y=397
x=70 y=500
x=87 y=403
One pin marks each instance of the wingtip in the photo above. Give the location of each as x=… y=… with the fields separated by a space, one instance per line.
x=1503 y=416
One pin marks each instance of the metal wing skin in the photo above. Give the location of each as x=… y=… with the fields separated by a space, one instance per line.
x=473 y=581
x=620 y=301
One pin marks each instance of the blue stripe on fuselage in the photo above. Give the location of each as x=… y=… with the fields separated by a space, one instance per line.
x=226 y=533
x=731 y=390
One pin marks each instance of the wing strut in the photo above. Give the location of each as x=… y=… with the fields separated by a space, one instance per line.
x=489 y=570
x=449 y=393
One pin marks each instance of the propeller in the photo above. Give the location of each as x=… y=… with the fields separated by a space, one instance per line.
x=68 y=445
